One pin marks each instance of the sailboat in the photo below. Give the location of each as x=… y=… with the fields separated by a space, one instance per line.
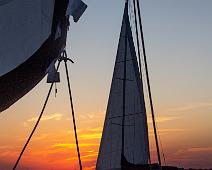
x=125 y=143
x=125 y=128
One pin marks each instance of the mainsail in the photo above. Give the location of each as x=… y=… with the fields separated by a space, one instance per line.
x=33 y=35
x=127 y=84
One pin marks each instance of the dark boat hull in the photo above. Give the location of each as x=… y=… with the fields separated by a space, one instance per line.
x=18 y=82
x=125 y=165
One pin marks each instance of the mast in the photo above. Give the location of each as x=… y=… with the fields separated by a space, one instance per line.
x=124 y=82
x=148 y=83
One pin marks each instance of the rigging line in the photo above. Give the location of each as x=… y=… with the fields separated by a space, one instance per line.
x=44 y=106
x=131 y=14
x=132 y=23
x=139 y=59
x=137 y=39
x=148 y=83
x=138 y=49
x=72 y=108
x=164 y=158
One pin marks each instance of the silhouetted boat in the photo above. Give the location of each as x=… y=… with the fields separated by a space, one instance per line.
x=125 y=143
x=33 y=38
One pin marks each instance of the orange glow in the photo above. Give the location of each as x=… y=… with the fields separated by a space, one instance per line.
x=57 y=149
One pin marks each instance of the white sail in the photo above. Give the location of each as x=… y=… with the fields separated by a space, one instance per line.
x=24 y=26
x=136 y=146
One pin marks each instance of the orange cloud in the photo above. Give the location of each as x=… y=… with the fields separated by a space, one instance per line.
x=55 y=116
x=195 y=150
x=191 y=106
x=91 y=136
x=203 y=149
x=162 y=119
x=73 y=145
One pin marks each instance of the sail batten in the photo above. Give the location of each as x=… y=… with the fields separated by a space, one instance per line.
x=136 y=146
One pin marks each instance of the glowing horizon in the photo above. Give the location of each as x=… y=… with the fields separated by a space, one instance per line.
x=49 y=150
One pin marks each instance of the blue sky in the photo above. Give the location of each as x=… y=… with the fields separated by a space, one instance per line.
x=178 y=44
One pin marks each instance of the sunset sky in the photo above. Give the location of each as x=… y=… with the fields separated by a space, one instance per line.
x=178 y=36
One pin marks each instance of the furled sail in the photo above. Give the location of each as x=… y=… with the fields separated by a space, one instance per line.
x=136 y=145
x=33 y=34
